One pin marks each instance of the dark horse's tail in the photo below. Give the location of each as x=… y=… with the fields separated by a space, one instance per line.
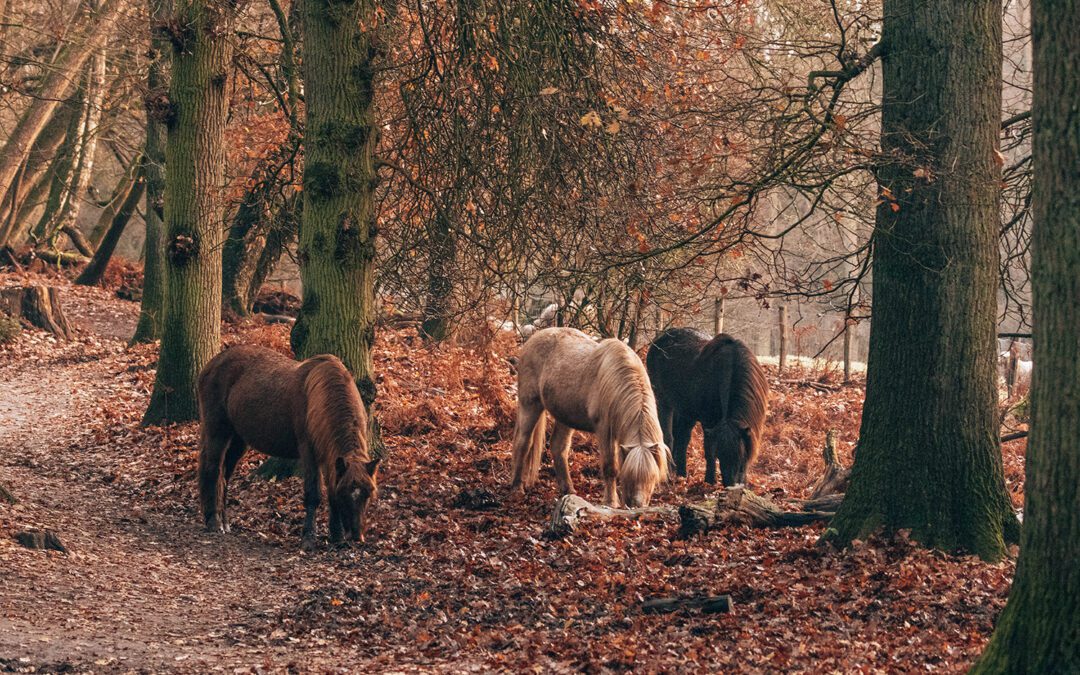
x=743 y=400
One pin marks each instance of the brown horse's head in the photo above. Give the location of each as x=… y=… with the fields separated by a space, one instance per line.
x=641 y=469
x=354 y=488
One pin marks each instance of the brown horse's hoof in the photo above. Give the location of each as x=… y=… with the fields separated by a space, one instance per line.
x=217 y=527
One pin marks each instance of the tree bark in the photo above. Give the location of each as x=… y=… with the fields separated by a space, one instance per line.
x=57 y=84
x=148 y=328
x=1039 y=630
x=928 y=458
x=337 y=231
x=133 y=176
x=442 y=252
x=91 y=275
x=194 y=206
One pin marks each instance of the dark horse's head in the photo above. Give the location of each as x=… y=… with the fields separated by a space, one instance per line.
x=354 y=488
x=733 y=450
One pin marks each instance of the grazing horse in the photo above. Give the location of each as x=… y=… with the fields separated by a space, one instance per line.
x=311 y=411
x=600 y=388
x=718 y=382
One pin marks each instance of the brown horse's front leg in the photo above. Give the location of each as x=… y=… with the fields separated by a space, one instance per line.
x=312 y=498
x=336 y=530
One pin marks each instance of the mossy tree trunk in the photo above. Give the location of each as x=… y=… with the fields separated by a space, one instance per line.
x=442 y=252
x=1039 y=631
x=928 y=457
x=195 y=157
x=157 y=111
x=337 y=229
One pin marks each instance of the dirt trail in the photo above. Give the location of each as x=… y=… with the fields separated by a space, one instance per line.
x=138 y=591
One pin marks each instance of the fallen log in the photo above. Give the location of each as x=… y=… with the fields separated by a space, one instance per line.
x=740 y=506
x=41 y=539
x=1014 y=436
x=712 y=604
x=571 y=509
x=37 y=305
x=820 y=386
x=60 y=258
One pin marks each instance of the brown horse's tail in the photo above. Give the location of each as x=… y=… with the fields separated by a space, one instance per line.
x=530 y=463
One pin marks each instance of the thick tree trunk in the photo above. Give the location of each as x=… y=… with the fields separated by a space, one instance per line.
x=337 y=232
x=928 y=458
x=1039 y=631
x=57 y=84
x=195 y=157
x=93 y=272
x=148 y=328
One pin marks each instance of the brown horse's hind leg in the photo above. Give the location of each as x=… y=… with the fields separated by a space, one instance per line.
x=560 y=452
x=233 y=455
x=211 y=486
x=526 y=452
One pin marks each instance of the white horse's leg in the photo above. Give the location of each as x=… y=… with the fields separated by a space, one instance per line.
x=608 y=471
x=525 y=463
x=560 y=452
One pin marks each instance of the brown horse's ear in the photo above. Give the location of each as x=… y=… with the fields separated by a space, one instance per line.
x=372 y=467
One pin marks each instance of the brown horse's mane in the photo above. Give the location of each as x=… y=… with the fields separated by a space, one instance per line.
x=335 y=415
x=745 y=393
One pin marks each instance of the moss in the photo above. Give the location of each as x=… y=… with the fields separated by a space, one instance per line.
x=10 y=328
x=351 y=249
x=322 y=180
x=368 y=390
x=348 y=137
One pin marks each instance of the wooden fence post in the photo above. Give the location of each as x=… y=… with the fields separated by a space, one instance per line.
x=847 y=348
x=718 y=316
x=783 y=337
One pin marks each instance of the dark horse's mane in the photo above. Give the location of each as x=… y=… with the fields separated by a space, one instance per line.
x=744 y=391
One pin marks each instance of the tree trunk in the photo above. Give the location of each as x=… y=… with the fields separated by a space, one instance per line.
x=148 y=328
x=442 y=252
x=134 y=176
x=337 y=232
x=57 y=84
x=928 y=458
x=1039 y=631
x=34 y=173
x=60 y=175
x=194 y=208
x=282 y=234
x=91 y=275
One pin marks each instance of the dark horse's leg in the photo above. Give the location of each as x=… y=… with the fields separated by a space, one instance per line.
x=710 y=457
x=312 y=497
x=233 y=454
x=664 y=414
x=681 y=429
x=212 y=442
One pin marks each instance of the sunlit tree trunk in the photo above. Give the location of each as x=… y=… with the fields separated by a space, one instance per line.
x=337 y=231
x=928 y=457
x=59 y=80
x=1039 y=631
x=195 y=157
x=149 y=327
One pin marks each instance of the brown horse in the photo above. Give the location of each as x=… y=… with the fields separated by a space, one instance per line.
x=596 y=387
x=310 y=411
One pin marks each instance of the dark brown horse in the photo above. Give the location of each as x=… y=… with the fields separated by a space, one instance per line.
x=310 y=411
x=718 y=382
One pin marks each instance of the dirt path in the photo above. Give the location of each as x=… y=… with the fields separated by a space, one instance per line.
x=137 y=591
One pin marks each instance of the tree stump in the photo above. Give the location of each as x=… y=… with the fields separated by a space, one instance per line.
x=835 y=480
x=39 y=306
x=714 y=604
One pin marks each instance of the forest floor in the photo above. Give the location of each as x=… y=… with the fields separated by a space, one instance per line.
x=454 y=578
